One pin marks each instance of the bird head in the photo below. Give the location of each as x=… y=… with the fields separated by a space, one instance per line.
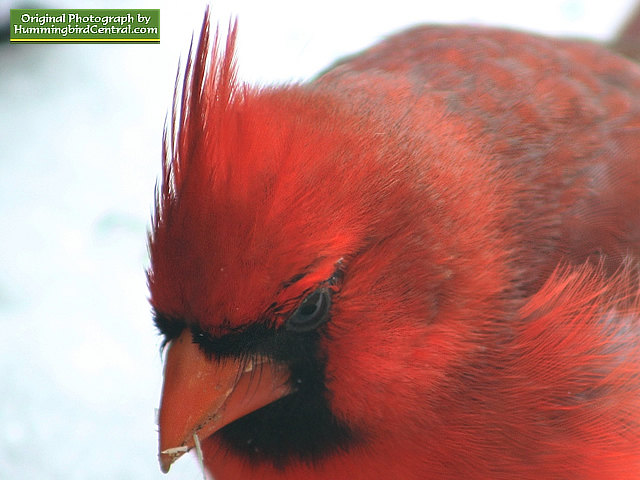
x=296 y=272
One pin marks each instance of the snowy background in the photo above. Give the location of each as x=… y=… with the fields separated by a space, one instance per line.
x=80 y=129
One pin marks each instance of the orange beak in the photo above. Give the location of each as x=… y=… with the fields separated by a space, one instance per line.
x=200 y=396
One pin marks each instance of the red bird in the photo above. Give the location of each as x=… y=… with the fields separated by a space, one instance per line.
x=419 y=265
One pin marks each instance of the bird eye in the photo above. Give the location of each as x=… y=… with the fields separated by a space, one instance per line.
x=312 y=312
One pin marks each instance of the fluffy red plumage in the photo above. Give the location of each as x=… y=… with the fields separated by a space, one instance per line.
x=466 y=203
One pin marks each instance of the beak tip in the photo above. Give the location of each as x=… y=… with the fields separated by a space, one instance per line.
x=165 y=462
x=167 y=457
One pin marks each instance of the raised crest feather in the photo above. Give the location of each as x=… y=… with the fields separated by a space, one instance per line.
x=208 y=86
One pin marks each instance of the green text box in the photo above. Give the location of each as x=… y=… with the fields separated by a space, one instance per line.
x=85 y=25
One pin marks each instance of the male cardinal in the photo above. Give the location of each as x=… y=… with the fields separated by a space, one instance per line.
x=419 y=265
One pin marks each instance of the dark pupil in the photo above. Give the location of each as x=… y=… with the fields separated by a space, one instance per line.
x=310 y=305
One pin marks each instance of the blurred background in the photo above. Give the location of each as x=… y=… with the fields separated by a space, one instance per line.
x=80 y=131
